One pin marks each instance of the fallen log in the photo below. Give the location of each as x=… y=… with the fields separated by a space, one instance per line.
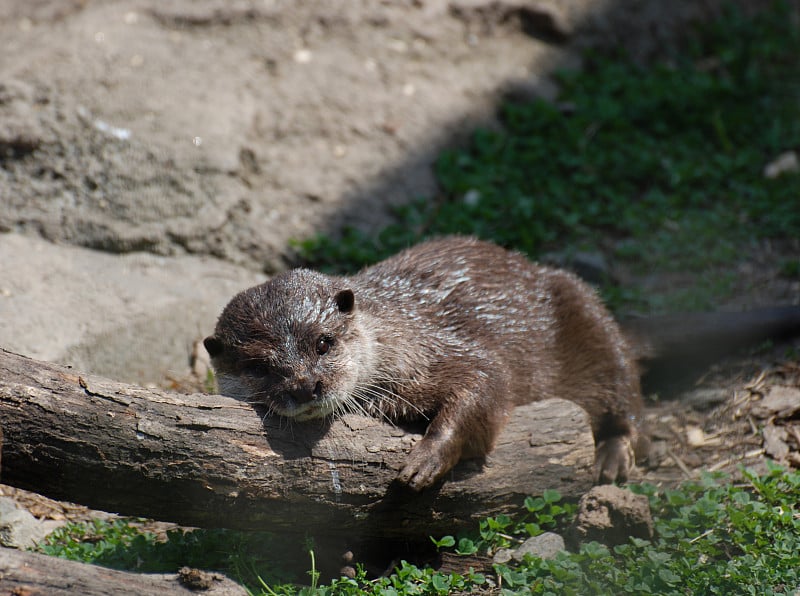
x=210 y=461
x=32 y=574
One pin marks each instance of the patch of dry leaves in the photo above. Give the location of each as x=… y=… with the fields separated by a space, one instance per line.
x=740 y=413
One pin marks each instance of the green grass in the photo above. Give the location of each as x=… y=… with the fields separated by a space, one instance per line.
x=659 y=166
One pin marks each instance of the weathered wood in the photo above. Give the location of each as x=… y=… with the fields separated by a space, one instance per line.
x=211 y=461
x=32 y=574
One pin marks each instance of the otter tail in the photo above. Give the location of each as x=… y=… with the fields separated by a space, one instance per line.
x=712 y=334
x=671 y=345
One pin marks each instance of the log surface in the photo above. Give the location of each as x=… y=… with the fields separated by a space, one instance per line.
x=32 y=574
x=211 y=461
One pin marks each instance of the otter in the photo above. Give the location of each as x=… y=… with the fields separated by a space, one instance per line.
x=454 y=331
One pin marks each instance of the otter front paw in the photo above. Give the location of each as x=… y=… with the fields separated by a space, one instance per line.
x=427 y=463
x=421 y=470
x=614 y=459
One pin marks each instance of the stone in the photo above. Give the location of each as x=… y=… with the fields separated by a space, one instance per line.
x=130 y=317
x=18 y=528
x=611 y=515
x=503 y=556
x=544 y=546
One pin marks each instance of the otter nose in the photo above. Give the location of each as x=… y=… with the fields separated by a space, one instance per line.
x=305 y=390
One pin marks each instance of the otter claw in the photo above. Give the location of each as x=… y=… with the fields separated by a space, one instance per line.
x=418 y=479
x=421 y=472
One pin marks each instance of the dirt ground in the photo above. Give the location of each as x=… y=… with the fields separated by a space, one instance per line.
x=227 y=128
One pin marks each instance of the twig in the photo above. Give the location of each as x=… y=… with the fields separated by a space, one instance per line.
x=703 y=535
x=755 y=384
x=753 y=426
x=725 y=462
x=684 y=468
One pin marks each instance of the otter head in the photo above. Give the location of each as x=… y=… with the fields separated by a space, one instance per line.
x=292 y=344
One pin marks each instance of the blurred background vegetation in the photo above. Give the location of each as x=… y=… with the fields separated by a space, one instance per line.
x=686 y=164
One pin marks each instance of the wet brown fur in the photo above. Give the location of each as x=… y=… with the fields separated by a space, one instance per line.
x=455 y=331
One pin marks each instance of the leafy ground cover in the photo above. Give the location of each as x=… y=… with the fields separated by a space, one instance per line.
x=124 y=543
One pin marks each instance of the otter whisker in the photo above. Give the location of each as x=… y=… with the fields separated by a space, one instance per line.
x=350 y=405
x=382 y=393
x=359 y=402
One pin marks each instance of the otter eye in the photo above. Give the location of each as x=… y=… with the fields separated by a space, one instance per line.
x=324 y=345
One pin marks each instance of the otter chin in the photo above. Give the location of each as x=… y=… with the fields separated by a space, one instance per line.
x=323 y=409
x=455 y=332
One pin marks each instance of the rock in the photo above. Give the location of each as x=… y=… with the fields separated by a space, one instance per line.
x=503 y=556
x=544 y=546
x=775 y=441
x=610 y=515
x=18 y=528
x=129 y=317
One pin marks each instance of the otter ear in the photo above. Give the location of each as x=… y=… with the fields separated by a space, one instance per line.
x=213 y=345
x=345 y=300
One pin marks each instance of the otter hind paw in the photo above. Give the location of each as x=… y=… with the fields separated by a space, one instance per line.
x=614 y=459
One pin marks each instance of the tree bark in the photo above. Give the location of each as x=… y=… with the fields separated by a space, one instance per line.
x=39 y=575
x=211 y=461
